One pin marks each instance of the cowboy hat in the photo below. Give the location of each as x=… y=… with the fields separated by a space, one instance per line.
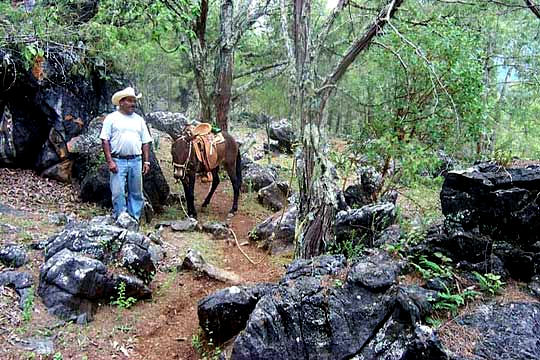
x=127 y=92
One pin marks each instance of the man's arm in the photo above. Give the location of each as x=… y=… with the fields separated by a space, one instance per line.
x=146 y=158
x=107 y=151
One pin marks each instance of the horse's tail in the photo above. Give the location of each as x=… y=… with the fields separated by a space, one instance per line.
x=239 y=168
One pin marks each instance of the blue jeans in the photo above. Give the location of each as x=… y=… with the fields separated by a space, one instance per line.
x=129 y=171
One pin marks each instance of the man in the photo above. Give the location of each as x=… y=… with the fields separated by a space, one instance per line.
x=124 y=138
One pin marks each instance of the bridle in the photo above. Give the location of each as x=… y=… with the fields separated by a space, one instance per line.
x=183 y=167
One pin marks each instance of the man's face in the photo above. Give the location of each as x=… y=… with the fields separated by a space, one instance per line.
x=127 y=105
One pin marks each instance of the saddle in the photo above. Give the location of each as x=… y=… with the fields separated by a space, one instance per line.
x=204 y=143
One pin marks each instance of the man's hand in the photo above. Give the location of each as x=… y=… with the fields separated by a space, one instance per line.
x=146 y=168
x=112 y=166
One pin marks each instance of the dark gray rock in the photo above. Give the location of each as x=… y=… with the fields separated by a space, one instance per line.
x=362 y=226
x=125 y=221
x=319 y=266
x=376 y=272
x=170 y=123
x=398 y=341
x=13 y=255
x=217 y=229
x=502 y=202
x=256 y=177
x=276 y=233
x=282 y=131
x=390 y=235
x=224 y=313
x=312 y=320
x=508 y=331
x=274 y=196
x=71 y=284
x=62 y=101
x=473 y=250
x=105 y=243
x=364 y=190
x=414 y=303
x=20 y=281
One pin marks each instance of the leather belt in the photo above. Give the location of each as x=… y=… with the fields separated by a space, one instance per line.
x=125 y=157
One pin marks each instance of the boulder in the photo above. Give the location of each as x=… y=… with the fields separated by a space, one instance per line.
x=71 y=284
x=75 y=275
x=276 y=233
x=13 y=255
x=22 y=282
x=225 y=313
x=282 y=132
x=503 y=203
x=362 y=226
x=170 y=123
x=256 y=177
x=274 y=196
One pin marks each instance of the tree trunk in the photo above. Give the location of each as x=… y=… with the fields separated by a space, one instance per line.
x=224 y=66
x=316 y=175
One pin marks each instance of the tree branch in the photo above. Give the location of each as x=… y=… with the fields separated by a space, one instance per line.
x=358 y=46
x=534 y=8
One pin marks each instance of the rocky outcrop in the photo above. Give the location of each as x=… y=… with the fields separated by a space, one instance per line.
x=503 y=331
x=13 y=255
x=276 y=233
x=492 y=221
x=501 y=202
x=42 y=110
x=282 y=132
x=170 y=123
x=362 y=226
x=256 y=177
x=75 y=275
x=325 y=308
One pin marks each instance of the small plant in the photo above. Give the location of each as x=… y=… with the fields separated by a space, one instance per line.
x=430 y=269
x=28 y=306
x=489 y=283
x=205 y=348
x=122 y=301
x=347 y=248
x=502 y=157
x=58 y=356
x=449 y=301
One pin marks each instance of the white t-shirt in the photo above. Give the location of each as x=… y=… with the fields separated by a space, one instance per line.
x=126 y=133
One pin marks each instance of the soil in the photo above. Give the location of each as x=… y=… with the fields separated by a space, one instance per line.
x=165 y=327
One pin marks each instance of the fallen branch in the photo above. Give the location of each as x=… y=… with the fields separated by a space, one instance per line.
x=242 y=251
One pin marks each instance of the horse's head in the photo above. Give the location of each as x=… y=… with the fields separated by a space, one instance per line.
x=181 y=152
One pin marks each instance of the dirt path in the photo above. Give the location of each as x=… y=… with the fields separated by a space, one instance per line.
x=171 y=324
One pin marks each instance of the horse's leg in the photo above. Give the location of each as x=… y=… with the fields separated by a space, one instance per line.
x=215 y=183
x=189 y=190
x=236 y=183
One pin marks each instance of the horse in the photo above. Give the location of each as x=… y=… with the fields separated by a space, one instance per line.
x=186 y=165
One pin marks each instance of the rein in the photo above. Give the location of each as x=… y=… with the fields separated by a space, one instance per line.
x=183 y=166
